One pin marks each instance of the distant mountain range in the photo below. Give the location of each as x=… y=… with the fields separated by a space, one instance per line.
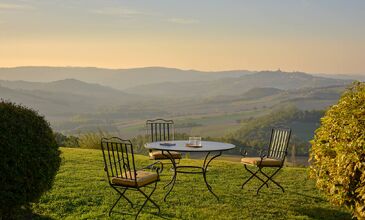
x=75 y=96
x=344 y=76
x=127 y=78
x=237 y=85
x=72 y=105
x=115 y=78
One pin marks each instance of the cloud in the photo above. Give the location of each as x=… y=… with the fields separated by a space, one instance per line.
x=124 y=12
x=6 y=6
x=183 y=21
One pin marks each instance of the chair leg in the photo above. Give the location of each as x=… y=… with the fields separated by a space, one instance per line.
x=148 y=198
x=115 y=203
x=253 y=175
x=121 y=195
x=270 y=178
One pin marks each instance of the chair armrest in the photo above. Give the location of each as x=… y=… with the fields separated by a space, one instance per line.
x=262 y=154
x=243 y=152
x=154 y=167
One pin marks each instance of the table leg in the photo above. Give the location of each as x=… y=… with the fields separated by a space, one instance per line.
x=205 y=168
x=204 y=172
x=173 y=180
x=172 y=168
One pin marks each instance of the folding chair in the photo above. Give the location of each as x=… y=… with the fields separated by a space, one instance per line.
x=161 y=130
x=274 y=157
x=121 y=171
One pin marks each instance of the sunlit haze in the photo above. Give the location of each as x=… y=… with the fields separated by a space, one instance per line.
x=301 y=35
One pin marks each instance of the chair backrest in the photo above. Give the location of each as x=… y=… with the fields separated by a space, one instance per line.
x=279 y=143
x=118 y=158
x=160 y=130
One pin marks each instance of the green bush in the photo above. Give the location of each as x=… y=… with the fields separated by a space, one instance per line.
x=66 y=141
x=338 y=151
x=92 y=140
x=29 y=158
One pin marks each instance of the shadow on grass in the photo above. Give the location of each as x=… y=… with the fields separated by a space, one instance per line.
x=315 y=198
x=26 y=214
x=161 y=215
x=307 y=209
x=324 y=213
x=320 y=213
x=41 y=217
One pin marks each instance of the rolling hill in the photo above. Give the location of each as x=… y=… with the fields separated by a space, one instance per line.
x=255 y=133
x=72 y=86
x=64 y=97
x=257 y=93
x=73 y=106
x=210 y=117
x=238 y=85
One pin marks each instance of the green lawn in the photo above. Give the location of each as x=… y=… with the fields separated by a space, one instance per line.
x=82 y=192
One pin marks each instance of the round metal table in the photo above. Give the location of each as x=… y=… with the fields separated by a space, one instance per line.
x=207 y=147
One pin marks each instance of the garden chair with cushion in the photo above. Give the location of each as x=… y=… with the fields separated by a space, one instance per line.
x=274 y=157
x=161 y=130
x=119 y=165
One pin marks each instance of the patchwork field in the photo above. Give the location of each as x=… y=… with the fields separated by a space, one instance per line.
x=213 y=125
x=82 y=192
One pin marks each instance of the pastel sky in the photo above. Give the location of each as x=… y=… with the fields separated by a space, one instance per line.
x=317 y=36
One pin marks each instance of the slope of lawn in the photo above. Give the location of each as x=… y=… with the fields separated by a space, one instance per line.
x=82 y=192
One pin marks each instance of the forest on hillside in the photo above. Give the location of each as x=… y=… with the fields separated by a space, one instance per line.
x=255 y=132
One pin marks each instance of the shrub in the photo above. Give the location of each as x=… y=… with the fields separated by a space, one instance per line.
x=29 y=158
x=66 y=141
x=338 y=151
x=91 y=140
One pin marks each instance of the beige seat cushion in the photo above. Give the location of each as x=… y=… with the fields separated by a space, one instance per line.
x=143 y=178
x=157 y=155
x=257 y=161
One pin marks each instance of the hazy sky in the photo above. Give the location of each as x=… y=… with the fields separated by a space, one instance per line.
x=326 y=36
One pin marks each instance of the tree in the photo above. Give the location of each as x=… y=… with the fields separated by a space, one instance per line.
x=338 y=152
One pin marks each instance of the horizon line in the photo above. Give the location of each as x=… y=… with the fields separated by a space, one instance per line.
x=167 y=67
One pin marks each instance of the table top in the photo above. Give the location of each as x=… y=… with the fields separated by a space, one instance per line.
x=207 y=146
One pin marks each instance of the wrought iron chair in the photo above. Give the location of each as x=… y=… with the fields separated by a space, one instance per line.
x=274 y=157
x=121 y=171
x=161 y=130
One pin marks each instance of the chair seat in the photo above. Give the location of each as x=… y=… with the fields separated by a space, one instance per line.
x=158 y=155
x=265 y=162
x=143 y=178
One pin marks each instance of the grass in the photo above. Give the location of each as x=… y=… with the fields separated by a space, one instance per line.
x=81 y=191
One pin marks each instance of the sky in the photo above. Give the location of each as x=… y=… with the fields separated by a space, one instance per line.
x=316 y=36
